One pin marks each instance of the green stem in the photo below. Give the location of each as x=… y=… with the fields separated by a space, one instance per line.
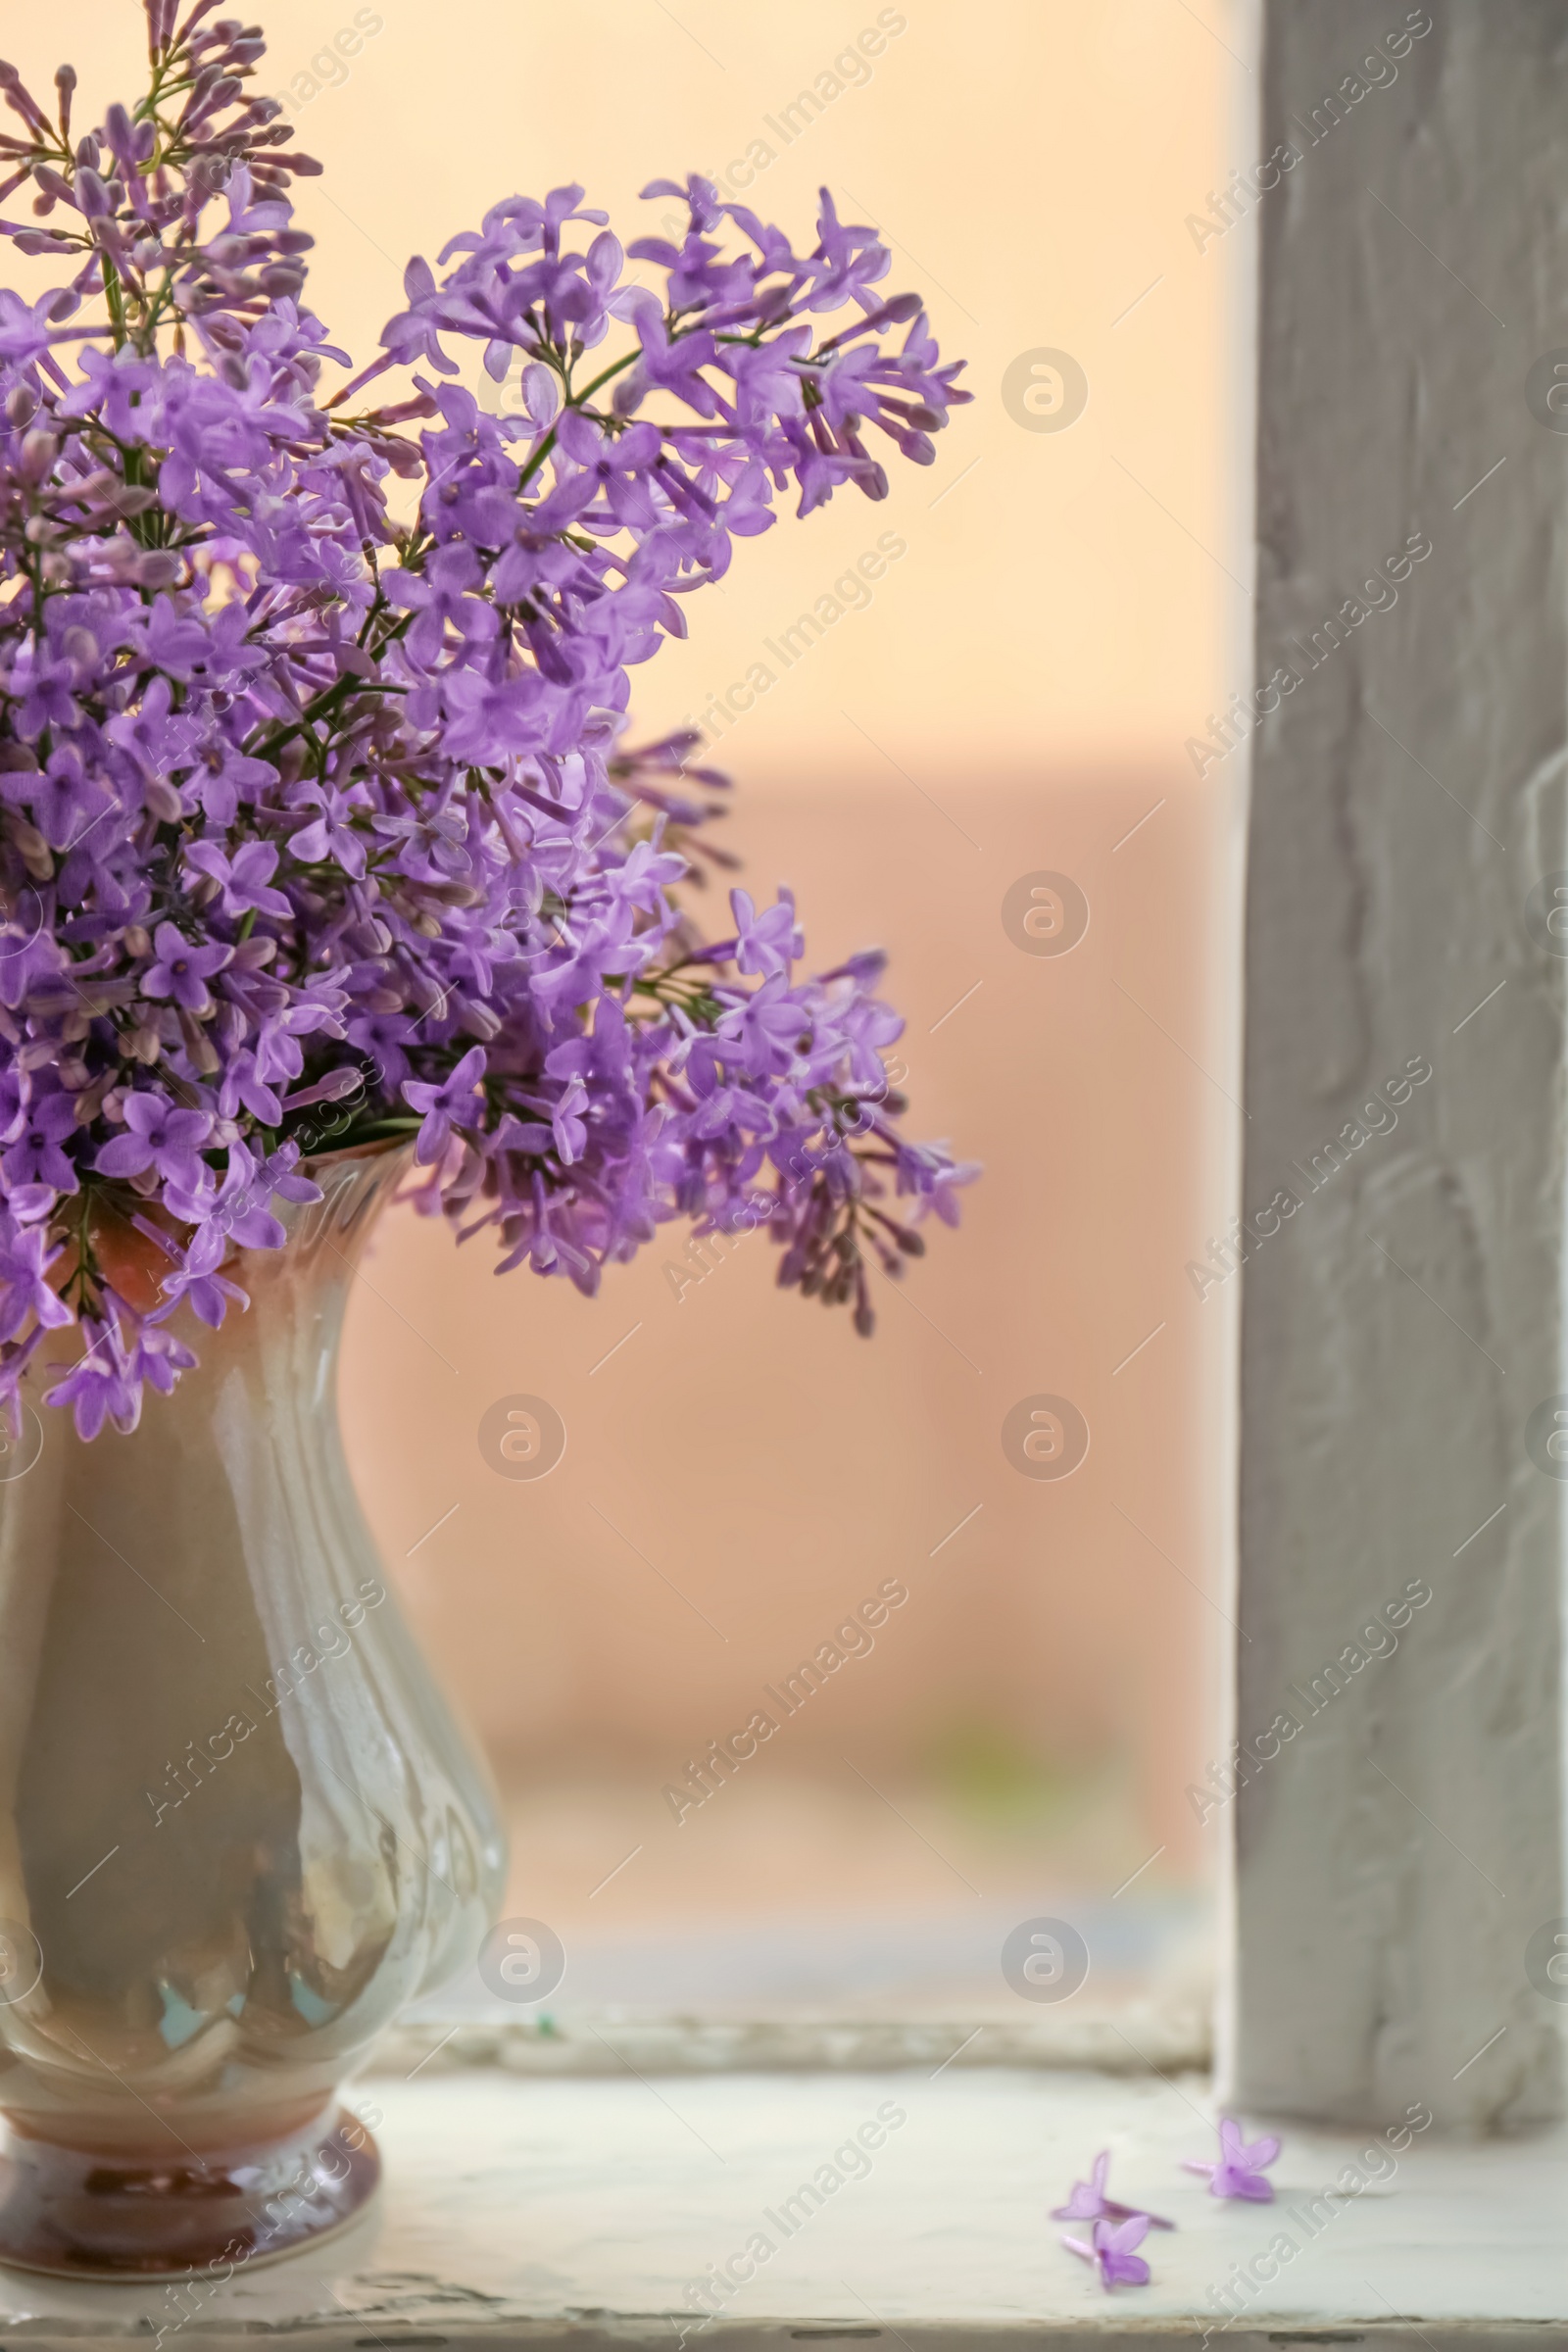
x=114 y=295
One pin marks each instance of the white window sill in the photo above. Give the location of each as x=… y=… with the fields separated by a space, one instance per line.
x=521 y=2212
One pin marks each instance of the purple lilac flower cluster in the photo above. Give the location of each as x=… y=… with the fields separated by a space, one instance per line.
x=318 y=823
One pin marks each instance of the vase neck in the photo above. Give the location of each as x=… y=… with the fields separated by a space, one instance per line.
x=331 y=1233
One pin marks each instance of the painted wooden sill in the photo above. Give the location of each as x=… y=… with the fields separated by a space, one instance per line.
x=580 y=2213
x=1154 y=2035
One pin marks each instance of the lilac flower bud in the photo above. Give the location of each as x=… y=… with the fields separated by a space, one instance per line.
x=19 y=99
x=213 y=91
x=38 y=455
x=541 y=393
x=36 y=855
x=118 y=131
x=92 y=195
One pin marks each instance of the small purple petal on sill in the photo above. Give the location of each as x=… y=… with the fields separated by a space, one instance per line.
x=1112 y=2252
x=1089 y=2201
x=1238 y=2172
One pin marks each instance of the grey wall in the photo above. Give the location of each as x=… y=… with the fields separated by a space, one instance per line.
x=1400 y=1329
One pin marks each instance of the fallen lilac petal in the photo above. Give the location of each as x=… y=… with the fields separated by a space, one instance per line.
x=1089 y=2202
x=1239 y=2170
x=1110 y=2251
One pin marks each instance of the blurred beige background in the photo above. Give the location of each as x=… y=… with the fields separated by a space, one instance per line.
x=1017 y=696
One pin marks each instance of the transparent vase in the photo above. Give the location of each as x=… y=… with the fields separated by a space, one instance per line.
x=239 y=1830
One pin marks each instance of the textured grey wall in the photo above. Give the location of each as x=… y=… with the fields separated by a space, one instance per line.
x=1402 y=1324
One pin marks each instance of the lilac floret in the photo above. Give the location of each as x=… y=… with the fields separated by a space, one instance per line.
x=1089 y=2202
x=158 y=1136
x=1238 y=2171
x=1110 y=2247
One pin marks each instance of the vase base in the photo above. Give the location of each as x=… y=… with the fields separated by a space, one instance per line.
x=202 y=2221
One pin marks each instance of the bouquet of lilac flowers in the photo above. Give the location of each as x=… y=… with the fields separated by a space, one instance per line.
x=318 y=826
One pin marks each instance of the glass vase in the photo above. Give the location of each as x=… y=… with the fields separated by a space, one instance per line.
x=239 y=1832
